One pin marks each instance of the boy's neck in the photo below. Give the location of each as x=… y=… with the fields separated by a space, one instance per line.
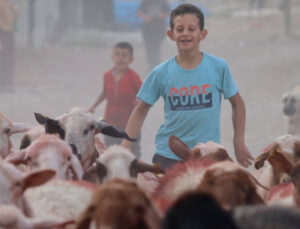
x=118 y=73
x=188 y=60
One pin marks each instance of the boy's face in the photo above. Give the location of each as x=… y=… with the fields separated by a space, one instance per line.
x=186 y=32
x=121 y=58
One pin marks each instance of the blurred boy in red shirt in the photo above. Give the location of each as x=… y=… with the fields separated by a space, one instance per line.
x=120 y=86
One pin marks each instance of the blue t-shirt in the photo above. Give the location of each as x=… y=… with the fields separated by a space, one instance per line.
x=192 y=100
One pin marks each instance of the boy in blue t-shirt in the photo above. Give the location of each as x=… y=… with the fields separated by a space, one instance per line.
x=191 y=84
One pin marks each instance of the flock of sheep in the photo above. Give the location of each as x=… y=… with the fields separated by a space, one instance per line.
x=63 y=176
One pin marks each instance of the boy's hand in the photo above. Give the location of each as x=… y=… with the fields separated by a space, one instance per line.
x=242 y=154
x=127 y=144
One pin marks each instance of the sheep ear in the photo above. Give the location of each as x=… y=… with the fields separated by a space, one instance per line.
x=279 y=161
x=138 y=166
x=112 y=131
x=16 y=158
x=37 y=178
x=25 y=142
x=41 y=119
x=196 y=153
x=222 y=155
x=179 y=148
x=20 y=127
x=260 y=160
x=100 y=170
x=52 y=126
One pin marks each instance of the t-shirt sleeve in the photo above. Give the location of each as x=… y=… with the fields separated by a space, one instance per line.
x=151 y=88
x=228 y=86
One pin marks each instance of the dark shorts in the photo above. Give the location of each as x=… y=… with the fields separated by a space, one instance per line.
x=164 y=162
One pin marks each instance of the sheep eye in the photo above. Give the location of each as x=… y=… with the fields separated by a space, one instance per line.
x=92 y=127
x=85 y=132
x=69 y=158
x=7 y=131
x=29 y=159
x=18 y=184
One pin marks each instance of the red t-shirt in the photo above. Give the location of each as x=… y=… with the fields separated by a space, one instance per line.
x=120 y=96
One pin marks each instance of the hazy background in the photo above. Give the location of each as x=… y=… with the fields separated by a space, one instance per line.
x=64 y=47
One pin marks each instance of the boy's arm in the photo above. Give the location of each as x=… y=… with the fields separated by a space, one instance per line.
x=136 y=121
x=242 y=153
x=99 y=99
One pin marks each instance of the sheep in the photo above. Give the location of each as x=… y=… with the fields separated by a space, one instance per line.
x=197 y=210
x=78 y=128
x=287 y=145
x=56 y=199
x=226 y=181
x=13 y=184
x=120 y=204
x=266 y=217
x=49 y=152
x=7 y=128
x=12 y=218
x=230 y=185
x=206 y=165
x=285 y=194
x=118 y=162
x=63 y=199
x=291 y=111
x=202 y=150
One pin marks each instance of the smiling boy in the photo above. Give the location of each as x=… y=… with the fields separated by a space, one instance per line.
x=191 y=84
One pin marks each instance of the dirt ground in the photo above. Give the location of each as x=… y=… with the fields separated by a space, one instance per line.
x=265 y=64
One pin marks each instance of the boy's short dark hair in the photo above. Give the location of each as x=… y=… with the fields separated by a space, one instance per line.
x=187 y=8
x=125 y=45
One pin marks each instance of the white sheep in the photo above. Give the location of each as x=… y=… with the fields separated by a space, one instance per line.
x=12 y=218
x=13 y=184
x=49 y=152
x=78 y=128
x=118 y=162
x=287 y=145
x=7 y=128
x=60 y=198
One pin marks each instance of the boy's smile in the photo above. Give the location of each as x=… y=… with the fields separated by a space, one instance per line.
x=186 y=32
